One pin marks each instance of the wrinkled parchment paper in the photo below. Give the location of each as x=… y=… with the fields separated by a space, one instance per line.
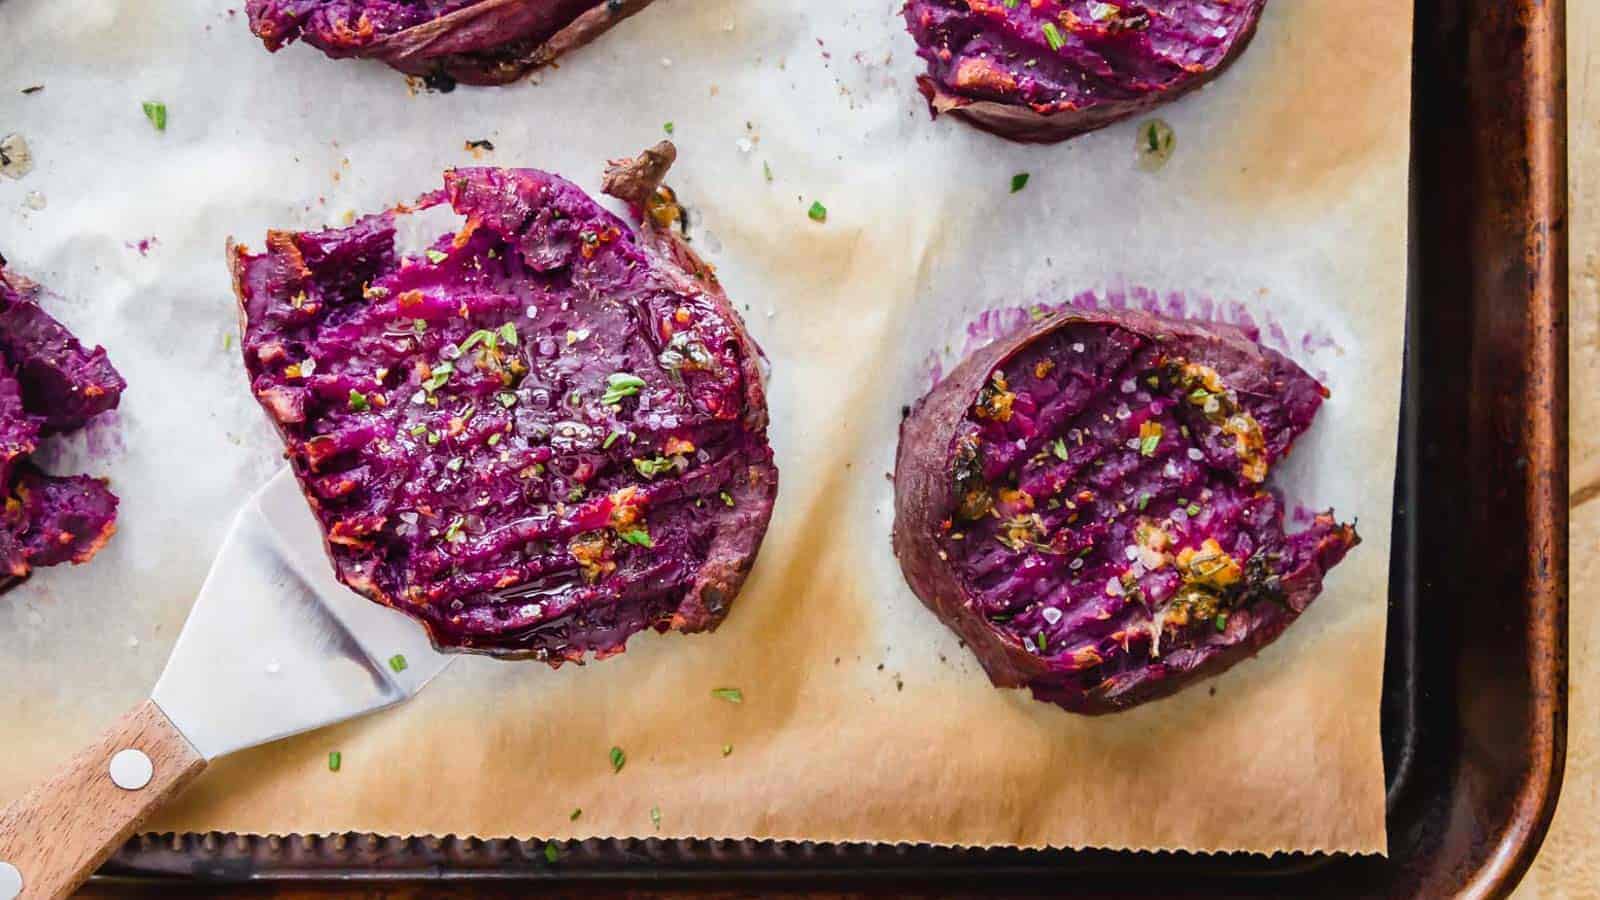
x=863 y=719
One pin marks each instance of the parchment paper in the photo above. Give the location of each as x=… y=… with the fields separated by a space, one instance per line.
x=863 y=719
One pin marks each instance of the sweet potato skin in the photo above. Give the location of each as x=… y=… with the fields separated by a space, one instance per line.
x=483 y=42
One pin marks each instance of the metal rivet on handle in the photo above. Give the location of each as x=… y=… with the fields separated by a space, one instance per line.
x=10 y=881
x=131 y=769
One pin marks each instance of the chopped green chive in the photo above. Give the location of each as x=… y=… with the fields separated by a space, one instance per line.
x=766 y=171
x=650 y=468
x=1059 y=448
x=507 y=399
x=1144 y=500
x=727 y=498
x=156 y=112
x=619 y=385
x=227 y=341
x=1222 y=621
x=441 y=374
x=418 y=430
x=454 y=465
x=335 y=759
x=433 y=438
x=358 y=401
x=618 y=759
x=637 y=536
x=419 y=325
x=453 y=533
x=481 y=336
x=1040 y=639
x=551 y=854
x=397 y=662
x=1052 y=36
x=655 y=817
x=436 y=256
x=732 y=695
x=817 y=212
x=1019 y=181
x=610 y=439
x=508 y=333
x=1192 y=509
x=1155 y=144
x=575 y=814
x=1148 y=443
x=494 y=438
x=667 y=127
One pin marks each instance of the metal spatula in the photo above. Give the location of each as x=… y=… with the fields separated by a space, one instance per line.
x=274 y=646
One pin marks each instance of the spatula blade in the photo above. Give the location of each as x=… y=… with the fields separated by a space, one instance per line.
x=275 y=645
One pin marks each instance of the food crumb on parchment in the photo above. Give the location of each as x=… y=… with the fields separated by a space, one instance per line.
x=16 y=160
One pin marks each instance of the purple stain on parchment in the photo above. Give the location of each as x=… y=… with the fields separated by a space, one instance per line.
x=100 y=438
x=103 y=435
x=142 y=245
x=1311 y=342
x=991 y=324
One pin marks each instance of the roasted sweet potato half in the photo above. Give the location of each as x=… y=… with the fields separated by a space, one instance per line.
x=1088 y=504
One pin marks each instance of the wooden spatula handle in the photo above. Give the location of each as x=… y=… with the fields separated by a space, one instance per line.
x=63 y=829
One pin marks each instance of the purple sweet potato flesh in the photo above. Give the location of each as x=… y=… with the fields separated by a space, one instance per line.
x=67 y=383
x=1047 y=70
x=62 y=519
x=49 y=383
x=474 y=41
x=1086 y=504
x=538 y=438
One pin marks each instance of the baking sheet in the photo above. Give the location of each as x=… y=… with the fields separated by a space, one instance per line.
x=863 y=719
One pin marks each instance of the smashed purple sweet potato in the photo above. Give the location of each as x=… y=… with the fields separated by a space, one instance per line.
x=1086 y=504
x=539 y=437
x=1047 y=70
x=49 y=384
x=471 y=41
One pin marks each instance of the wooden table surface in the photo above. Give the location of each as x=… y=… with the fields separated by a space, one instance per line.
x=1569 y=864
